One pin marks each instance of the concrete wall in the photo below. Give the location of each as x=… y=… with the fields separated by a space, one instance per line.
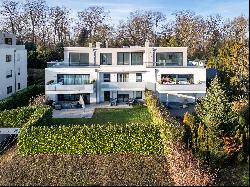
x=17 y=64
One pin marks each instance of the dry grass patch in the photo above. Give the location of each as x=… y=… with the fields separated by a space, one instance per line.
x=111 y=169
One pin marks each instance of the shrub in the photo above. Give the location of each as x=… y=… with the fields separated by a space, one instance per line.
x=218 y=131
x=93 y=139
x=15 y=117
x=25 y=116
x=184 y=168
x=21 y=98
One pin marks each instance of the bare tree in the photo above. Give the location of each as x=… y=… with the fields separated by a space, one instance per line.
x=36 y=16
x=10 y=11
x=93 y=19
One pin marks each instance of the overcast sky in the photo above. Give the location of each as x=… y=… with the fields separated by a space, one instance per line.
x=120 y=9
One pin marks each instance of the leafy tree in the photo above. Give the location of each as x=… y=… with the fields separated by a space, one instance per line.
x=213 y=115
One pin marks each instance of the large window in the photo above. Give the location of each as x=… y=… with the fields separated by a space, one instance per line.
x=74 y=97
x=137 y=58
x=169 y=59
x=122 y=77
x=78 y=59
x=106 y=59
x=9 y=89
x=106 y=77
x=123 y=58
x=70 y=79
x=138 y=77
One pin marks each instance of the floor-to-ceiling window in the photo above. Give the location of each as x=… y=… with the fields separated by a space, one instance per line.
x=122 y=77
x=78 y=59
x=72 y=79
x=169 y=59
x=137 y=58
x=106 y=59
x=123 y=58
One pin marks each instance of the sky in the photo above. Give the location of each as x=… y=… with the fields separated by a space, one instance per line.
x=120 y=9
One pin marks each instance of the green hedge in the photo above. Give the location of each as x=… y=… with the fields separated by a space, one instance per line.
x=93 y=139
x=171 y=130
x=16 y=117
x=21 y=98
x=25 y=116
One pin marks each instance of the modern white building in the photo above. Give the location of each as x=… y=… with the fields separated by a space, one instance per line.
x=99 y=74
x=13 y=63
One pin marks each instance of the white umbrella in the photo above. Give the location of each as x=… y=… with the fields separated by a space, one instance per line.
x=81 y=101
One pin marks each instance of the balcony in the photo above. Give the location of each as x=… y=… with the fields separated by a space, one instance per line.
x=122 y=86
x=181 y=88
x=69 y=89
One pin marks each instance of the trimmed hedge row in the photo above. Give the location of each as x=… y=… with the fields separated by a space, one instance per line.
x=16 y=117
x=25 y=116
x=21 y=98
x=171 y=129
x=93 y=139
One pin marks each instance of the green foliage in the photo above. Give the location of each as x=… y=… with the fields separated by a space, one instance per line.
x=233 y=63
x=93 y=139
x=21 y=98
x=217 y=133
x=171 y=130
x=15 y=117
x=25 y=116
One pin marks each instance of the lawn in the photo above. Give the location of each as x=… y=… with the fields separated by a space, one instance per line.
x=114 y=115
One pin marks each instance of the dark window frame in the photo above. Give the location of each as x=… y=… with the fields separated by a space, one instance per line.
x=123 y=54
x=101 y=59
x=8 y=58
x=123 y=77
x=19 y=86
x=79 y=60
x=9 y=89
x=8 y=41
x=132 y=53
x=171 y=56
x=106 y=77
x=138 y=74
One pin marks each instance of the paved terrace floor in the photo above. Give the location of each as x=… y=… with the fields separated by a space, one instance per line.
x=88 y=113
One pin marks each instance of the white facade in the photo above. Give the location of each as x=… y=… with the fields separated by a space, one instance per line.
x=124 y=73
x=13 y=61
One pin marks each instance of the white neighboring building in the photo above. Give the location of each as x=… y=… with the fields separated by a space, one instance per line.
x=13 y=63
x=100 y=74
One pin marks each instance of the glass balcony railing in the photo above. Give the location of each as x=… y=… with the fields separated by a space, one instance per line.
x=123 y=86
x=181 y=87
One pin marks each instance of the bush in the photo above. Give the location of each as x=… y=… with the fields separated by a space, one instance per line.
x=21 y=98
x=93 y=139
x=184 y=168
x=25 y=116
x=171 y=130
x=15 y=117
